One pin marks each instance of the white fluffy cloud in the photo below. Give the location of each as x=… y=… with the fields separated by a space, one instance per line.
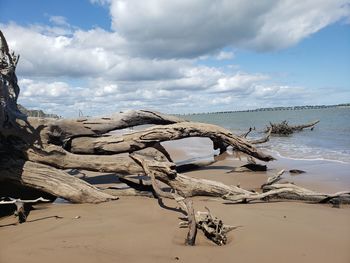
x=197 y=93
x=240 y=82
x=182 y=28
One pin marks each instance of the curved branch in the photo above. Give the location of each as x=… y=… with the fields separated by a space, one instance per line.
x=244 y=135
x=304 y=126
x=264 y=139
x=61 y=130
x=143 y=139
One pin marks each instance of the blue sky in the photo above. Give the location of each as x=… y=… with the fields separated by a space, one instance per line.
x=103 y=56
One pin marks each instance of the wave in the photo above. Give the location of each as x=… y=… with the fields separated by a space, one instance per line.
x=286 y=156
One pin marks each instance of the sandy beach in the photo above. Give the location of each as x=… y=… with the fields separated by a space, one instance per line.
x=137 y=229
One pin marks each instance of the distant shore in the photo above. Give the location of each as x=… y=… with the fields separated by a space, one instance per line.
x=305 y=107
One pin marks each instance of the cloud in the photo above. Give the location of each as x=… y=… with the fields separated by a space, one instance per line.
x=223 y=55
x=55 y=89
x=59 y=20
x=240 y=82
x=181 y=28
x=200 y=89
x=91 y=53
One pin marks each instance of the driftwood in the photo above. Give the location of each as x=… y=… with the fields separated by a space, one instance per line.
x=244 y=135
x=185 y=186
x=283 y=128
x=22 y=209
x=161 y=169
x=213 y=228
x=288 y=191
x=249 y=167
x=147 y=138
x=263 y=139
x=296 y=171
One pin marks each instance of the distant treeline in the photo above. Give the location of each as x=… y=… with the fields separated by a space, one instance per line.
x=306 y=107
x=36 y=113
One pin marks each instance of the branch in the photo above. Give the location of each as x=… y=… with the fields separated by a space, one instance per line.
x=62 y=130
x=273 y=179
x=264 y=139
x=304 y=126
x=288 y=191
x=147 y=138
x=244 y=135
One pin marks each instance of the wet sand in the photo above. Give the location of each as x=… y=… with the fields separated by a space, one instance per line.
x=140 y=229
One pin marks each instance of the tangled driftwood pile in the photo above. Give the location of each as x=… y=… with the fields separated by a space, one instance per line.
x=284 y=128
x=35 y=153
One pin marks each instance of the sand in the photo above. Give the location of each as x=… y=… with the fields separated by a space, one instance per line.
x=136 y=229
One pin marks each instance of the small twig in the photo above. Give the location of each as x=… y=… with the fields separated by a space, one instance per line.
x=273 y=179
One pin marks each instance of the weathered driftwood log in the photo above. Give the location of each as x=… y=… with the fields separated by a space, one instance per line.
x=54 y=181
x=185 y=186
x=40 y=148
x=163 y=170
x=287 y=191
x=147 y=138
x=249 y=167
x=284 y=128
x=296 y=171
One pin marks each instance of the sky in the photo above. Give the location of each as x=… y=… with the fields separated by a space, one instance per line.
x=178 y=56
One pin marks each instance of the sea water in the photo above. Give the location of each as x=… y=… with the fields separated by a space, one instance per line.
x=329 y=140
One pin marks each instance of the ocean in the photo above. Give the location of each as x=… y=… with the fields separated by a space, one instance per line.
x=329 y=140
